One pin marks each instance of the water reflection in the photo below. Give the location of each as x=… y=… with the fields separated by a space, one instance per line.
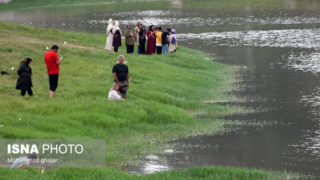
x=150 y=164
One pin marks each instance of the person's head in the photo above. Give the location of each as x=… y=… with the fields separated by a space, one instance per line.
x=157 y=28
x=116 y=87
x=32 y=156
x=151 y=28
x=120 y=59
x=173 y=31
x=138 y=23
x=128 y=26
x=27 y=61
x=168 y=30
x=160 y=28
x=116 y=23
x=55 y=48
x=110 y=21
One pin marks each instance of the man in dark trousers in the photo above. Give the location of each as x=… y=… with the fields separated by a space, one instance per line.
x=120 y=73
x=53 y=67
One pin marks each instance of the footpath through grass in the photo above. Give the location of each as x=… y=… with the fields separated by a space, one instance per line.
x=165 y=92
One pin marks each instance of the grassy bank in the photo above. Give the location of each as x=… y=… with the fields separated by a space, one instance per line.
x=165 y=92
x=110 y=174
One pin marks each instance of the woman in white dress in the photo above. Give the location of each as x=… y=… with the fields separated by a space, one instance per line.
x=110 y=36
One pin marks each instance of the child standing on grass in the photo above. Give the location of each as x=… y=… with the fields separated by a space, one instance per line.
x=24 y=81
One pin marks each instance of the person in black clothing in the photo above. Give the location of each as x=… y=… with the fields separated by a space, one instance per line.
x=165 y=41
x=120 y=73
x=24 y=81
x=142 y=40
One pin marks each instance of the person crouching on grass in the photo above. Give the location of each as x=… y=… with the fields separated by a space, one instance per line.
x=24 y=82
x=114 y=93
x=120 y=74
x=24 y=162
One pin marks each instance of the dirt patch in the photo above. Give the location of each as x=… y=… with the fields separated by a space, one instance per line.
x=5 y=1
x=82 y=47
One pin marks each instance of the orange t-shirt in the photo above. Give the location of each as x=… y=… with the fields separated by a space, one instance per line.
x=50 y=58
x=159 y=40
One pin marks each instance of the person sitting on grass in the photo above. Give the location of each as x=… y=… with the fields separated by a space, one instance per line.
x=24 y=162
x=114 y=93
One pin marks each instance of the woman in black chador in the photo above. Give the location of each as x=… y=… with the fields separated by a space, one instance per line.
x=24 y=82
x=142 y=40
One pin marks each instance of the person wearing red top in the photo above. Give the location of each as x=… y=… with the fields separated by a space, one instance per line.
x=53 y=66
x=151 y=44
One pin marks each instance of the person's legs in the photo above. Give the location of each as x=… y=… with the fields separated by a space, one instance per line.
x=23 y=92
x=138 y=49
x=51 y=94
x=165 y=49
x=115 y=49
x=30 y=91
x=129 y=49
x=53 y=81
x=159 y=49
x=123 y=91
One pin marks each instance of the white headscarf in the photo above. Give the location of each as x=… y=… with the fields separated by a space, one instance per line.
x=110 y=26
x=110 y=21
x=116 y=26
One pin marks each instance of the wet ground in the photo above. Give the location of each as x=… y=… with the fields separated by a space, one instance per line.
x=279 y=45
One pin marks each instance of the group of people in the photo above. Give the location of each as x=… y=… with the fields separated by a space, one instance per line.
x=120 y=74
x=157 y=40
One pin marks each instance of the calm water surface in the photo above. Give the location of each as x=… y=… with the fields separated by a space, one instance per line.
x=279 y=43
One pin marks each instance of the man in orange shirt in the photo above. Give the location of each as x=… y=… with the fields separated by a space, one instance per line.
x=53 y=66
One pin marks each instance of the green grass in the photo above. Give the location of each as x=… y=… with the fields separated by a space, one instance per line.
x=165 y=93
x=214 y=173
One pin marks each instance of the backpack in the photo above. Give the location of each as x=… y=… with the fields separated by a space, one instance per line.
x=173 y=41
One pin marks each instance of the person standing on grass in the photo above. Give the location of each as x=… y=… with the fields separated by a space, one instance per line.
x=173 y=41
x=136 y=34
x=151 y=44
x=120 y=74
x=129 y=39
x=110 y=36
x=53 y=67
x=165 y=41
x=159 y=40
x=24 y=82
x=142 y=40
x=23 y=162
x=116 y=36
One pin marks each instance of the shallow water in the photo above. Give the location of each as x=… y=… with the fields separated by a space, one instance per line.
x=280 y=46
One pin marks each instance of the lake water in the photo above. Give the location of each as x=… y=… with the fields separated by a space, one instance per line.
x=278 y=42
